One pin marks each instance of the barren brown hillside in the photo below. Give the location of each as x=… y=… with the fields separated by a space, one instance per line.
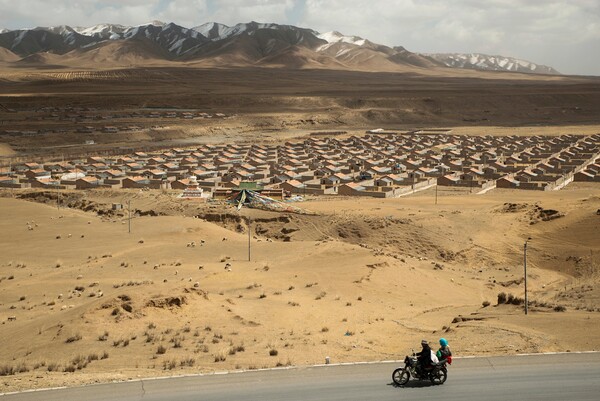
x=359 y=280
x=272 y=103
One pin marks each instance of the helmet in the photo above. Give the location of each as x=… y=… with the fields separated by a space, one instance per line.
x=443 y=342
x=424 y=342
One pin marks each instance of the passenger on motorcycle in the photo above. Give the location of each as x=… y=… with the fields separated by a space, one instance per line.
x=444 y=351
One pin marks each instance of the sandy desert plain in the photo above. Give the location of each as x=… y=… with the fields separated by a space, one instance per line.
x=82 y=300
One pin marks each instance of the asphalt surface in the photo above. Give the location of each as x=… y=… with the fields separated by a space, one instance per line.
x=564 y=377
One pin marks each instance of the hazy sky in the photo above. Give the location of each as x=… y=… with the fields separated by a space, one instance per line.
x=561 y=34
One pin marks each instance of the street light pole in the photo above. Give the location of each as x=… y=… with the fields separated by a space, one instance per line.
x=525 y=273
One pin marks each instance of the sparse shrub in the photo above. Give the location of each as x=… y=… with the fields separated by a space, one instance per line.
x=161 y=349
x=7 y=370
x=263 y=295
x=485 y=304
x=74 y=338
x=502 y=298
x=79 y=362
x=169 y=365
x=324 y=329
x=273 y=352
x=103 y=337
x=559 y=308
x=151 y=326
x=517 y=301
x=321 y=295
x=220 y=357
x=92 y=357
x=188 y=362
x=53 y=367
x=70 y=369
x=104 y=355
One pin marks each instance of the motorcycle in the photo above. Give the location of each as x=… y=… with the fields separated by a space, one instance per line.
x=437 y=373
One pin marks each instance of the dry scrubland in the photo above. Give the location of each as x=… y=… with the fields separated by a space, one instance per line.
x=82 y=300
x=273 y=105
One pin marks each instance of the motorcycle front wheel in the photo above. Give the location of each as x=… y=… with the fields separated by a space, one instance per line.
x=400 y=376
x=438 y=376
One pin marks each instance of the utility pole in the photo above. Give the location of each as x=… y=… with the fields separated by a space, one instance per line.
x=249 y=235
x=525 y=273
x=129 y=219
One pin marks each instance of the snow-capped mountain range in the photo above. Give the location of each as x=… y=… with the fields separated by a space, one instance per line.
x=246 y=43
x=479 y=61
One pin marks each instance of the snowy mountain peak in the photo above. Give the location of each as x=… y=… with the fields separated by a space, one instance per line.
x=215 y=31
x=108 y=31
x=487 y=62
x=59 y=30
x=335 y=36
x=155 y=23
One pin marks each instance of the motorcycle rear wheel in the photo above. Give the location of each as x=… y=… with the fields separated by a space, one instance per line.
x=438 y=376
x=400 y=376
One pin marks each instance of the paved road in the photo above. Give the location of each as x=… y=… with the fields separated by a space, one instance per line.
x=571 y=377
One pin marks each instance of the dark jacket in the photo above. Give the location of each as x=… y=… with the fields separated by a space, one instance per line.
x=424 y=357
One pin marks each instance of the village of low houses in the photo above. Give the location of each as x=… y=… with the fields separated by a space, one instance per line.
x=377 y=163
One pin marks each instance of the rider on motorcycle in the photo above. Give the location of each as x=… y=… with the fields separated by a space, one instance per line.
x=424 y=357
